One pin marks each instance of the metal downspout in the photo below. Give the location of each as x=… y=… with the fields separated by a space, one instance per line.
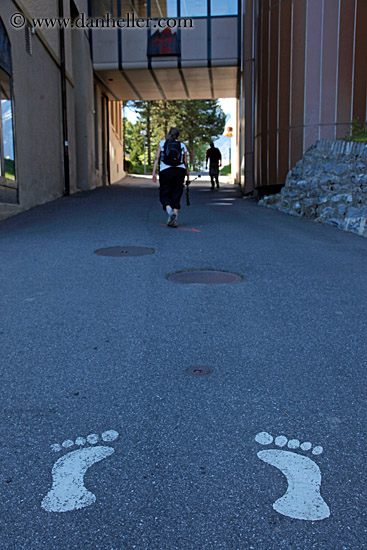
x=64 y=106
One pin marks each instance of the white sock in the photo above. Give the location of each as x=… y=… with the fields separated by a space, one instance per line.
x=169 y=210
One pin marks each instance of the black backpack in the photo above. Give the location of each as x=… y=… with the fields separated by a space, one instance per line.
x=172 y=153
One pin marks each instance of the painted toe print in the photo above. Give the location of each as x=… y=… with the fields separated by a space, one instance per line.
x=302 y=499
x=68 y=491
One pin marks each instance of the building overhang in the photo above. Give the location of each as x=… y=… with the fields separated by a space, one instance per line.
x=170 y=83
x=201 y=62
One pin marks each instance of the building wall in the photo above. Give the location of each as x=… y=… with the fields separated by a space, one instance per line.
x=309 y=64
x=38 y=113
x=116 y=145
x=38 y=142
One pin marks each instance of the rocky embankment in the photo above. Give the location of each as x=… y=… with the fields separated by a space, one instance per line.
x=329 y=185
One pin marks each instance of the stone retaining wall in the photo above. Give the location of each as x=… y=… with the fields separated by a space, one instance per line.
x=329 y=184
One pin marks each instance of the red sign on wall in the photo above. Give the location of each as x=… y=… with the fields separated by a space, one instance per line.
x=163 y=43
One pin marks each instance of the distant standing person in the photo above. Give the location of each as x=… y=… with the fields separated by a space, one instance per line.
x=172 y=155
x=214 y=156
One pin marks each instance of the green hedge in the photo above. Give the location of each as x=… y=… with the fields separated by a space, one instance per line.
x=226 y=170
x=134 y=168
x=139 y=169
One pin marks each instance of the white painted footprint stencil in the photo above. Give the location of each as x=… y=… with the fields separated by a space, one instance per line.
x=68 y=491
x=302 y=499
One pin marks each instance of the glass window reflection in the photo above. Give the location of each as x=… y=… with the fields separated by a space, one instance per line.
x=163 y=8
x=137 y=7
x=224 y=7
x=7 y=137
x=194 y=8
x=101 y=7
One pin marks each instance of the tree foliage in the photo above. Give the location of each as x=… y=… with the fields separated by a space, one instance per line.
x=134 y=141
x=199 y=123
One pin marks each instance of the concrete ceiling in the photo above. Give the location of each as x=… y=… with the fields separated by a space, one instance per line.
x=171 y=83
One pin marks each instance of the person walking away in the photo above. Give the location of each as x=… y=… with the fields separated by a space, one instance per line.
x=214 y=156
x=172 y=155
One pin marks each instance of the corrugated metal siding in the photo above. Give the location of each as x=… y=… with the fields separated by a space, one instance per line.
x=310 y=79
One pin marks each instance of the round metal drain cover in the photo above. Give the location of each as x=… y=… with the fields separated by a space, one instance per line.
x=198 y=371
x=204 y=277
x=120 y=251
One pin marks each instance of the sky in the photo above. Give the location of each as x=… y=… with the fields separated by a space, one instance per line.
x=228 y=105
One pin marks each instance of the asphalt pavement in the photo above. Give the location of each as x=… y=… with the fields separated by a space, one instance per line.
x=141 y=413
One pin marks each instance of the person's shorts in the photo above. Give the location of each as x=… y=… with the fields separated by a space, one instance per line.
x=214 y=171
x=171 y=186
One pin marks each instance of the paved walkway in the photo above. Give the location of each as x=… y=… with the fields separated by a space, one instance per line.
x=100 y=346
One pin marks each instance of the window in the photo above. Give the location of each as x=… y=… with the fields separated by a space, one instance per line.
x=116 y=118
x=194 y=8
x=163 y=8
x=101 y=7
x=119 y=114
x=96 y=128
x=7 y=136
x=7 y=157
x=112 y=114
x=137 y=7
x=224 y=7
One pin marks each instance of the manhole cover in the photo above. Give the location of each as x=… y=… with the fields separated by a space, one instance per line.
x=198 y=371
x=204 y=277
x=119 y=251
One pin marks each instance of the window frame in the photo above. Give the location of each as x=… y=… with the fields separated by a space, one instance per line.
x=4 y=181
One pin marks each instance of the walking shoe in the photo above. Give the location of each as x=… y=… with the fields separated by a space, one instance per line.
x=172 y=220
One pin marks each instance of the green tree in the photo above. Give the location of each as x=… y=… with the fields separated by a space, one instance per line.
x=199 y=122
x=145 y=113
x=134 y=141
x=128 y=132
x=163 y=116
